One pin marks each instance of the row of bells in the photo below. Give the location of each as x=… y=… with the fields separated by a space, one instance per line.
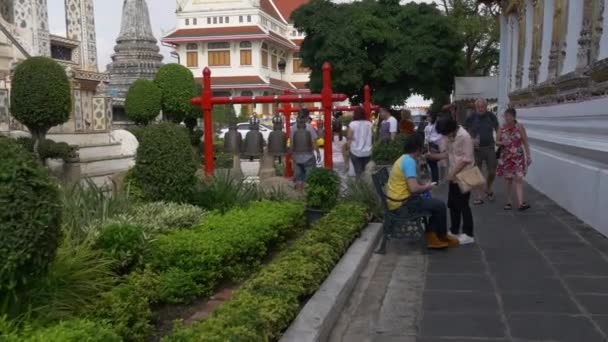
x=253 y=146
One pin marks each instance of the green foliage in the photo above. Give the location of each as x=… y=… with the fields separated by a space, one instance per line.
x=161 y=217
x=362 y=191
x=49 y=149
x=126 y=307
x=178 y=286
x=225 y=247
x=125 y=244
x=270 y=300
x=397 y=50
x=322 y=189
x=40 y=95
x=244 y=113
x=86 y=208
x=386 y=152
x=176 y=84
x=478 y=24
x=143 y=102
x=77 y=330
x=30 y=217
x=165 y=166
x=222 y=192
x=191 y=118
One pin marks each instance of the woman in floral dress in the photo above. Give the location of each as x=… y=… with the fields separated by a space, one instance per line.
x=514 y=158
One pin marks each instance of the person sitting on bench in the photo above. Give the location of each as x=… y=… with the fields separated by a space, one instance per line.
x=403 y=194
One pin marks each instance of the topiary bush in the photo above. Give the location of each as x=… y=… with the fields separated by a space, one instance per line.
x=176 y=84
x=322 y=189
x=40 y=95
x=49 y=149
x=125 y=244
x=143 y=102
x=30 y=218
x=165 y=166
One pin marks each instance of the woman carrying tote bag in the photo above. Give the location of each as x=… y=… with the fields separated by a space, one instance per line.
x=463 y=175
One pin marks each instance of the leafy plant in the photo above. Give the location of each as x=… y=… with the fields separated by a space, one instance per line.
x=176 y=84
x=178 y=286
x=77 y=330
x=165 y=166
x=143 y=102
x=386 y=152
x=125 y=244
x=225 y=247
x=40 y=95
x=223 y=192
x=265 y=305
x=49 y=149
x=360 y=190
x=30 y=218
x=162 y=217
x=322 y=189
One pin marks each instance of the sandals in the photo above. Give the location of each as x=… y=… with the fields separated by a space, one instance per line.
x=525 y=206
x=508 y=206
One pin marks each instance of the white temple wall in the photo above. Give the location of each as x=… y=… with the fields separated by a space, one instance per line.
x=546 y=44
x=528 y=46
x=575 y=23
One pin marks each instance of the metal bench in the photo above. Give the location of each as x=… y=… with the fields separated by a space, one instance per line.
x=409 y=226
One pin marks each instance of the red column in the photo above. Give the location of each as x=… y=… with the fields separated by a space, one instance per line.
x=367 y=104
x=287 y=113
x=206 y=106
x=326 y=101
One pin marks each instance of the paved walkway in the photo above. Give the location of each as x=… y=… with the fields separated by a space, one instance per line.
x=535 y=276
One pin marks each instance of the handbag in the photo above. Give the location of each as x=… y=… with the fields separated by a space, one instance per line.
x=469 y=179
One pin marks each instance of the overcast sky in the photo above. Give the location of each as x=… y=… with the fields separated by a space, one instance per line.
x=107 y=19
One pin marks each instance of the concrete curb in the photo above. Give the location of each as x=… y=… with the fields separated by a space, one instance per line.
x=317 y=318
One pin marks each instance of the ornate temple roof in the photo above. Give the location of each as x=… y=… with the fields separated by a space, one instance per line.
x=136 y=52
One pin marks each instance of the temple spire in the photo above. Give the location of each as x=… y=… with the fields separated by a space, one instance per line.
x=136 y=52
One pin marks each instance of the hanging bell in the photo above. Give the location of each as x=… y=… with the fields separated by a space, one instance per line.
x=232 y=140
x=302 y=140
x=254 y=141
x=277 y=140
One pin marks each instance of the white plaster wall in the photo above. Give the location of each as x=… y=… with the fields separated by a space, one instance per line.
x=604 y=39
x=514 y=49
x=575 y=23
x=528 y=44
x=546 y=44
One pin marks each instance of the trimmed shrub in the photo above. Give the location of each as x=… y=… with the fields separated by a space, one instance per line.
x=322 y=189
x=166 y=216
x=125 y=244
x=178 y=286
x=226 y=247
x=49 y=149
x=143 y=100
x=269 y=301
x=70 y=331
x=30 y=217
x=386 y=152
x=176 y=84
x=40 y=95
x=165 y=166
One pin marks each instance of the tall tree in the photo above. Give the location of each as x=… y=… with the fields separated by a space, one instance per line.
x=397 y=50
x=478 y=25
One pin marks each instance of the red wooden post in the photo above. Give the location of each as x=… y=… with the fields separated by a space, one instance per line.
x=326 y=102
x=287 y=113
x=206 y=105
x=367 y=104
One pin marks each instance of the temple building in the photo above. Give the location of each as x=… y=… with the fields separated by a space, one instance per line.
x=136 y=54
x=250 y=46
x=554 y=71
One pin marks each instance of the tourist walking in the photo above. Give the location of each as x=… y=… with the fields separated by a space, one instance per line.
x=433 y=140
x=403 y=192
x=388 y=125
x=359 y=140
x=482 y=125
x=514 y=160
x=460 y=154
x=304 y=156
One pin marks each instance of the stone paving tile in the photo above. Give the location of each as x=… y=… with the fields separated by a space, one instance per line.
x=462 y=325
x=587 y=284
x=594 y=304
x=537 y=303
x=537 y=268
x=449 y=339
x=561 y=328
x=453 y=267
x=595 y=269
x=459 y=282
x=602 y=322
x=450 y=301
x=574 y=256
x=512 y=284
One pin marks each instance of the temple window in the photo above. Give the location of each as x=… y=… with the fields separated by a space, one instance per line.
x=192 y=55
x=194 y=21
x=275 y=60
x=208 y=20
x=227 y=20
x=187 y=22
x=297 y=64
x=240 y=18
x=265 y=55
x=214 y=20
x=248 y=18
x=245 y=53
x=219 y=54
x=221 y=20
x=60 y=52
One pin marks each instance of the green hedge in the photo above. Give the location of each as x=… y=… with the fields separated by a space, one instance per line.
x=225 y=247
x=268 y=302
x=67 y=331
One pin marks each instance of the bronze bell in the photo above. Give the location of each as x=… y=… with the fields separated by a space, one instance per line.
x=302 y=140
x=254 y=140
x=232 y=140
x=277 y=140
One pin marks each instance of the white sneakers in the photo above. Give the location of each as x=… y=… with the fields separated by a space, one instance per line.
x=464 y=239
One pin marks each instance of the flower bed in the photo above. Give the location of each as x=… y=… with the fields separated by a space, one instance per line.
x=270 y=300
